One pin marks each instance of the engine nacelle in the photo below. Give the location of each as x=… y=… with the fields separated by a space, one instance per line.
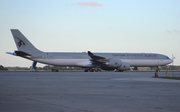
x=114 y=63
x=124 y=66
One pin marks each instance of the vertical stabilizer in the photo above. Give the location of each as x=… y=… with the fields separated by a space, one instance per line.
x=22 y=43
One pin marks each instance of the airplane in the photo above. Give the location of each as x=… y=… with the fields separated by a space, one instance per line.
x=87 y=60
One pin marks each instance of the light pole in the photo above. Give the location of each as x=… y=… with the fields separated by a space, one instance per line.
x=172 y=64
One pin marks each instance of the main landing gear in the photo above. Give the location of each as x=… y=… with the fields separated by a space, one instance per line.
x=92 y=70
x=118 y=70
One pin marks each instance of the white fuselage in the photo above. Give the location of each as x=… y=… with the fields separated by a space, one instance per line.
x=83 y=60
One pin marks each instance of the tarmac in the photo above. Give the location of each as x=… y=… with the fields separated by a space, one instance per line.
x=78 y=91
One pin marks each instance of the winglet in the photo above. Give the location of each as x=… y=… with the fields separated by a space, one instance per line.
x=93 y=56
x=90 y=54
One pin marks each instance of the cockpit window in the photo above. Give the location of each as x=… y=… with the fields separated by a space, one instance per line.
x=167 y=57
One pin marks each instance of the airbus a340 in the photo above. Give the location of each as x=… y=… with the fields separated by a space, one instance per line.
x=88 y=60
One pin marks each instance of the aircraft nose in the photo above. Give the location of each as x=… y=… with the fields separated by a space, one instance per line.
x=171 y=60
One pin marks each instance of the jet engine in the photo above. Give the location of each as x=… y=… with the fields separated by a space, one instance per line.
x=114 y=63
x=124 y=66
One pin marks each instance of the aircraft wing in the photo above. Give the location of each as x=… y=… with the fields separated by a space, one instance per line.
x=96 y=58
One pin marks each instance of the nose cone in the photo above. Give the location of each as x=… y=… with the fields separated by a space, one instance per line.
x=170 y=61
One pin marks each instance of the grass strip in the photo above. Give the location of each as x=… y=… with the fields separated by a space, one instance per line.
x=168 y=77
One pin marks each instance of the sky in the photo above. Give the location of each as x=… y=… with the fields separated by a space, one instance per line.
x=138 y=26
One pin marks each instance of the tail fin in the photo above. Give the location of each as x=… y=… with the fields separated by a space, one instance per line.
x=22 y=43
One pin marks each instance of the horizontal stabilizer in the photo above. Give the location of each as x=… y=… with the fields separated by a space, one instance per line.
x=11 y=53
x=22 y=54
